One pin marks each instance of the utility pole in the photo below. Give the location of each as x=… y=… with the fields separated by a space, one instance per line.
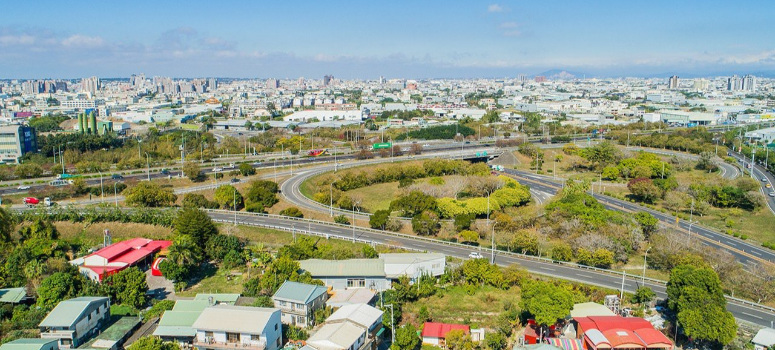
x=643 y=279
x=148 y=159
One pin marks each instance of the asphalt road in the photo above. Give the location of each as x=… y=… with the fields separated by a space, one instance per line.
x=743 y=251
x=763 y=176
x=751 y=314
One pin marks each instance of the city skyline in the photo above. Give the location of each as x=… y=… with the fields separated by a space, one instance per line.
x=352 y=40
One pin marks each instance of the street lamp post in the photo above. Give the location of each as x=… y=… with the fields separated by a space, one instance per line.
x=235 y=206
x=392 y=325
x=331 y=199
x=148 y=159
x=115 y=193
x=643 y=278
x=102 y=189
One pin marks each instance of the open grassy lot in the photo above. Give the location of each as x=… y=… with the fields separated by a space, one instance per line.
x=758 y=226
x=376 y=197
x=454 y=305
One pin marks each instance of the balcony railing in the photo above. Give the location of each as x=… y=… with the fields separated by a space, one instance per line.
x=57 y=334
x=211 y=344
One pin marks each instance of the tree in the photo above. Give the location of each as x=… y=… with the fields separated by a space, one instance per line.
x=426 y=223
x=479 y=272
x=149 y=194
x=57 y=287
x=562 y=252
x=196 y=200
x=611 y=173
x=602 y=154
x=456 y=339
x=246 y=169
x=192 y=171
x=369 y=252
x=643 y=295
x=128 y=287
x=416 y=148
x=525 y=242
x=463 y=222
x=153 y=343
x=546 y=302
x=695 y=294
x=644 y=189
x=219 y=245
x=706 y=162
x=6 y=226
x=228 y=197
x=406 y=338
x=648 y=223
x=261 y=195
x=413 y=203
x=470 y=237
x=292 y=212
x=379 y=219
x=495 y=340
x=196 y=224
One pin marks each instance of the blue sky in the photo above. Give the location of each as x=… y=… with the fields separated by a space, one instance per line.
x=364 y=39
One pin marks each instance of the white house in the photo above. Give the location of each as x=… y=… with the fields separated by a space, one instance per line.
x=74 y=321
x=413 y=265
x=337 y=336
x=227 y=327
x=347 y=274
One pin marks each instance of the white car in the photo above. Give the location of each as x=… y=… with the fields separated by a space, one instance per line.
x=217 y=169
x=475 y=255
x=23 y=187
x=772 y=194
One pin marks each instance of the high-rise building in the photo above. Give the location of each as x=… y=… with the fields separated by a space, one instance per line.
x=540 y=79
x=272 y=83
x=381 y=80
x=673 y=83
x=90 y=85
x=327 y=79
x=749 y=83
x=701 y=84
x=137 y=81
x=212 y=84
x=734 y=83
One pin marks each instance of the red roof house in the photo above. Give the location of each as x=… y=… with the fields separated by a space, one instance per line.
x=616 y=332
x=435 y=333
x=119 y=256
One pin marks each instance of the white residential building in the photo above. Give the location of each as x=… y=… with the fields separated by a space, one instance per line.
x=226 y=327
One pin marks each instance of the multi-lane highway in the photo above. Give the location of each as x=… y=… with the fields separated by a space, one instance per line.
x=763 y=176
x=608 y=279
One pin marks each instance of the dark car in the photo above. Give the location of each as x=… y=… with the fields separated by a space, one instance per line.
x=234 y=179
x=165 y=171
x=117 y=177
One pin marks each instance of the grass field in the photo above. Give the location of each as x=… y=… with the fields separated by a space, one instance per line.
x=757 y=226
x=376 y=197
x=454 y=305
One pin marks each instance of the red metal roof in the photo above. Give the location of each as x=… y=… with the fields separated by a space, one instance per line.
x=440 y=330
x=133 y=256
x=156 y=246
x=653 y=337
x=112 y=251
x=623 y=338
x=625 y=332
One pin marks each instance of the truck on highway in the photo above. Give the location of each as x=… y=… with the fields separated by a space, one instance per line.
x=31 y=202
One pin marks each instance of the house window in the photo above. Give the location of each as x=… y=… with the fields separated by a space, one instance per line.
x=282 y=303
x=66 y=342
x=208 y=335
x=300 y=319
x=356 y=283
x=232 y=337
x=255 y=337
x=278 y=342
x=275 y=326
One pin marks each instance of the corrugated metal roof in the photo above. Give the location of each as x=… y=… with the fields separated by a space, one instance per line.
x=590 y=309
x=174 y=331
x=299 y=292
x=179 y=318
x=67 y=312
x=336 y=336
x=409 y=258
x=765 y=336
x=240 y=319
x=12 y=295
x=27 y=344
x=190 y=305
x=360 y=314
x=218 y=298
x=344 y=268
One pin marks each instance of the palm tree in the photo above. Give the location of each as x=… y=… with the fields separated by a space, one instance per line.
x=184 y=251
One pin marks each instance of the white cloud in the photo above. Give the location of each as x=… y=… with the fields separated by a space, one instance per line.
x=22 y=39
x=82 y=41
x=495 y=8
